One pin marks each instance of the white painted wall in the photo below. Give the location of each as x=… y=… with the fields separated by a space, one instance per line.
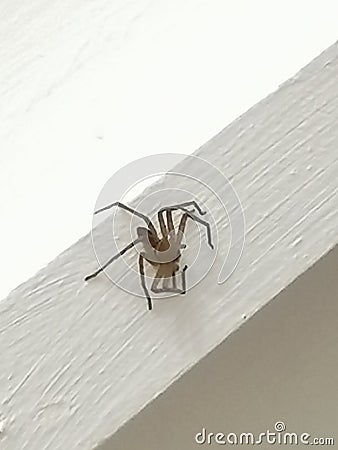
x=280 y=366
x=88 y=86
x=79 y=360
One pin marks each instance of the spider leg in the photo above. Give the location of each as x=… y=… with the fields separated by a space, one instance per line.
x=184 y=280
x=155 y=283
x=192 y=216
x=163 y=226
x=174 y=288
x=184 y=283
x=166 y=229
x=184 y=205
x=169 y=215
x=173 y=277
x=132 y=211
x=166 y=286
x=143 y=281
x=122 y=252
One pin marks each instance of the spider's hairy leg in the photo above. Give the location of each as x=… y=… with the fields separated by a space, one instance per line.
x=143 y=281
x=132 y=211
x=189 y=215
x=122 y=252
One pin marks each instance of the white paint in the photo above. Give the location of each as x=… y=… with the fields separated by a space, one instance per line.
x=88 y=86
x=280 y=366
x=79 y=360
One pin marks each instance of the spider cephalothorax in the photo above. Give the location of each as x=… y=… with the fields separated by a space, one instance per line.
x=164 y=252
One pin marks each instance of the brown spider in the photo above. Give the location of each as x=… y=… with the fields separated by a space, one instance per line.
x=162 y=253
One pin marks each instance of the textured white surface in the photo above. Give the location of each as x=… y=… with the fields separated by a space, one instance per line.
x=78 y=360
x=76 y=77
x=280 y=366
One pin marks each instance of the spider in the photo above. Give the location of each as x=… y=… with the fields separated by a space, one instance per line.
x=163 y=253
